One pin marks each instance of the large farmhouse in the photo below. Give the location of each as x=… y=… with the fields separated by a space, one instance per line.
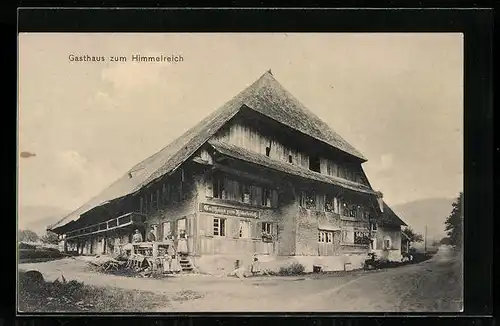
x=262 y=175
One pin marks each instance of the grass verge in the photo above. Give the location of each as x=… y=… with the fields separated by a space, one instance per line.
x=73 y=296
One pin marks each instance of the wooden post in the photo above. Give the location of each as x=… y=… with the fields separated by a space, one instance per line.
x=155 y=255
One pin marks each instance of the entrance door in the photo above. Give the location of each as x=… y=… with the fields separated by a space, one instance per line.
x=325 y=243
x=166 y=230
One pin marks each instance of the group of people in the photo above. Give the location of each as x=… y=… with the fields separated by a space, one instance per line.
x=171 y=262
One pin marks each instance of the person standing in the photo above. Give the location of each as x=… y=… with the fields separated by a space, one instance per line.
x=137 y=237
x=151 y=235
x=167 y=267
x=175 y=266
x=182 y=243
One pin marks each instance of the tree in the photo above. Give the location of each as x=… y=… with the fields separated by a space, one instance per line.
x=27 y=236
x=412 y=235
x=445 y=241
x=454 y=222
x=50 y=237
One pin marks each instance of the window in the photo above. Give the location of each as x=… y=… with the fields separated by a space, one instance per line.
x=245 y=194
x=353 y=211
x=329 y=203
x=374 y=226
x=268 y=150
x=141 y=205
x=387 y=242
x=325 y=237
x=314 y=163
x=267 y=228
x=164 y=194
x=219 y=227
x=290 y=159
x=218 y=187
x=308 y=200
x=361 y=238
x=344 y=209
x=266 y=197
x=152 y=202
x=244 y=229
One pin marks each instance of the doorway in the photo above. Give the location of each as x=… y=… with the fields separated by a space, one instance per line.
x=181 y=225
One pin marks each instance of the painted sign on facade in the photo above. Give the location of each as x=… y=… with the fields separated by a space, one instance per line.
x=222 y=210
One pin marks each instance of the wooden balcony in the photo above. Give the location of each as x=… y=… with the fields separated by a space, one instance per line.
x=132 y=218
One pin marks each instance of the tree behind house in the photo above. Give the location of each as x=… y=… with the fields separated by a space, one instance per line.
x=27 y=236
x=50 y=238
x=454 y=222
x=412 y=235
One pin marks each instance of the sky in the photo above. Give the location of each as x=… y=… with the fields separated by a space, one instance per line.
x=397 y=98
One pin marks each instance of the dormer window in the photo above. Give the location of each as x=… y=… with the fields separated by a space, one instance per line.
x=314 y=163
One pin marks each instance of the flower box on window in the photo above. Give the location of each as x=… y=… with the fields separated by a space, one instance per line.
x=266 y=237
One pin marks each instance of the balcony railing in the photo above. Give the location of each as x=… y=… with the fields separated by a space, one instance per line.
x=115 y=223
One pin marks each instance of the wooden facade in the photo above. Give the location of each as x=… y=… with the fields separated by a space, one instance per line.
x=227 y=208
x=276 y=189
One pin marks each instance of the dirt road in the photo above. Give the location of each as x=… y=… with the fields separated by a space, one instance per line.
x=433 y=285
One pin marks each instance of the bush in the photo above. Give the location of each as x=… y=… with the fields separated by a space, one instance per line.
x=39 y=253
x=293 y=269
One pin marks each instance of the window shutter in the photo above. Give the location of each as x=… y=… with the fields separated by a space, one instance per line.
x=274 y=198
x=258 y=229
x=209 y=191
x=234 y=227
x=256 y=195
x=209 y=225
x=320 y=202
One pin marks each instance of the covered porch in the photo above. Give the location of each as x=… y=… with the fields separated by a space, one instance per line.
x=104 y=237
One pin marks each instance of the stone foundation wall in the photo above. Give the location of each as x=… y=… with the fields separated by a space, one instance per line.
x=224 y=264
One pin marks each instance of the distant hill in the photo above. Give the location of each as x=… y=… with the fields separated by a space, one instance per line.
x=37 y=218
x=431 y=212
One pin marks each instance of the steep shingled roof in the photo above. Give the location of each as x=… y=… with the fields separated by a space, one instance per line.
x=265 y=96
x=259 y=159
x=391 y=218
